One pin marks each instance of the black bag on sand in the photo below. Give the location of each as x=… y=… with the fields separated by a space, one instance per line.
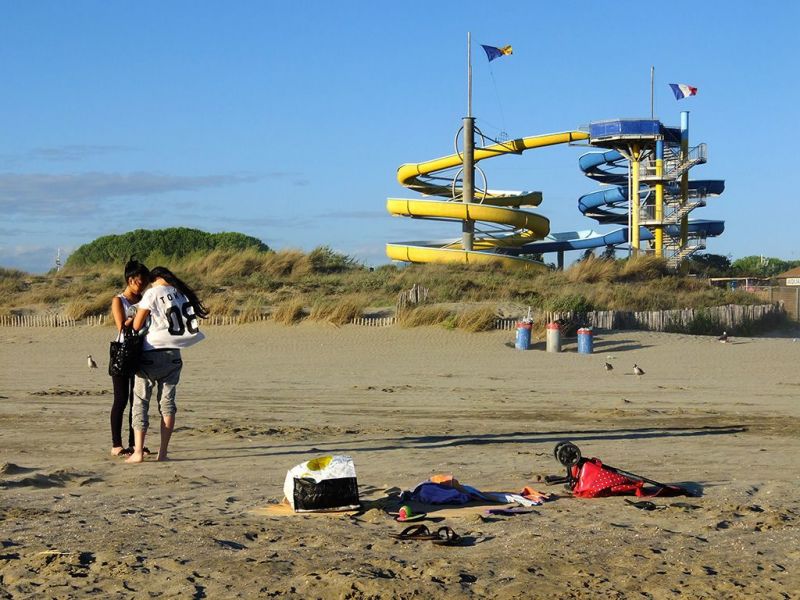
x=124 y=354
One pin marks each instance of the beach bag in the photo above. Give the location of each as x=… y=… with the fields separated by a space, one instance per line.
x=125 y=353
x=327 y=483
x=591 y=480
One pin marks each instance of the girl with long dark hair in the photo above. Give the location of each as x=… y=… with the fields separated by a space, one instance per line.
x=170 y=311
x=123 y=309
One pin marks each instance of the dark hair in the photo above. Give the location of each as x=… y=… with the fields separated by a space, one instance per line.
x=133 y=268
x=164 y=273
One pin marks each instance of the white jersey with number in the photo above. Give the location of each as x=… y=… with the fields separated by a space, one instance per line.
x=173 y=323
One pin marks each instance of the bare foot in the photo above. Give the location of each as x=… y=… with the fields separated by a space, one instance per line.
x=136 y=457
x=117 y=450
x=162 y=457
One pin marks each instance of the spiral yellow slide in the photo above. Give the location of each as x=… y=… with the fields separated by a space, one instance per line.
x=512 y=226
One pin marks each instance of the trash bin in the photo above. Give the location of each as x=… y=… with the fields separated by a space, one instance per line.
x=523 y=341
x=553 y=337
x=585 y=340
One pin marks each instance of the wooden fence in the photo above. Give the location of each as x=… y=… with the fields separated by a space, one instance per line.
x=728 y=317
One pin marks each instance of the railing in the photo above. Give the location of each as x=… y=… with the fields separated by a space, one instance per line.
x=673 y=166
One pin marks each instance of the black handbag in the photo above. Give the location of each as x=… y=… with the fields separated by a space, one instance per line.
x=124 y=354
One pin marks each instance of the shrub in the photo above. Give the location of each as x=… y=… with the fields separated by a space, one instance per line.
x=324 y=260
x=569 y=303
x=477 y=319
x=592 y=270
x=84 y=307
x=424 y=315
x=288 y=312
x=642 y=268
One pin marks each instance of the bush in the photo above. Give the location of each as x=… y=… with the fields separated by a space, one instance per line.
x=289 y=312
x=476 y=319
x=592 y=270
x=424 y=315
x=324 y=260
x=154 y=245
x=569 y=303
x=643 y=268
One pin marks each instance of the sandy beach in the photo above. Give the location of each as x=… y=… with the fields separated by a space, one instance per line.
x=256 y=400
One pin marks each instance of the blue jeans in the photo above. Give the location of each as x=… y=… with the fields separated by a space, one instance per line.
x=159 y=369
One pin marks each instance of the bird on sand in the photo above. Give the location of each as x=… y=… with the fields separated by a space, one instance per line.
x=637 y=370
x=609 y=367
x=724 y=337
x=90 y=362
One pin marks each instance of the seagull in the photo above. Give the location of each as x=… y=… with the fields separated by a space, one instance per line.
x=609 y=367
x=637 y=370
x=90 y=362
x=724 y=337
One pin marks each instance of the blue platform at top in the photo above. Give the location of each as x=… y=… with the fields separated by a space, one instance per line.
x=625 y=128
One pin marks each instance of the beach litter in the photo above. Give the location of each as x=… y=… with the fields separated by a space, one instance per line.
x=326 y=483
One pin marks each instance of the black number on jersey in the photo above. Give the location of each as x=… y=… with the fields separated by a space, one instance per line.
x=176 y=317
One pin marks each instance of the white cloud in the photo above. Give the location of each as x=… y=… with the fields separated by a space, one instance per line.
x=77 y=193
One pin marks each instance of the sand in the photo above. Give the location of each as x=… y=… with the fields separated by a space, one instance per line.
x=256 y=400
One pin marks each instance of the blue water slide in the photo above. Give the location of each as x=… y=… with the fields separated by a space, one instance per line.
x=609 y=205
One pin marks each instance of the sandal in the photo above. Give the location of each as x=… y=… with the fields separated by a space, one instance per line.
x=145 y=451
x=414 y=532
x=447 y=537
x=124 y=453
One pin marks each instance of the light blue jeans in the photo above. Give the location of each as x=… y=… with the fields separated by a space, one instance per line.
x=159 y=369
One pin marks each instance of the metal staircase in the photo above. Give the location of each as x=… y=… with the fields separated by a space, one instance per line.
x=675 y=254
x=673 y=166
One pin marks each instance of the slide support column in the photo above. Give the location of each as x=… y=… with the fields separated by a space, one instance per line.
x=659 y=230
x=633 y=200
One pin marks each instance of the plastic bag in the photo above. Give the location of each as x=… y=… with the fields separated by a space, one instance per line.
x=323 y=483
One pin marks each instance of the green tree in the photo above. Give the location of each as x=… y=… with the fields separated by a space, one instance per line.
x=710 y=265
x=761 y=266
x=174 y=242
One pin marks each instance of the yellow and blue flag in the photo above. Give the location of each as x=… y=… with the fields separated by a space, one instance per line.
x=492 y=52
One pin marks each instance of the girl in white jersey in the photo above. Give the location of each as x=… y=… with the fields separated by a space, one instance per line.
x=137 y=277
x=171 y=310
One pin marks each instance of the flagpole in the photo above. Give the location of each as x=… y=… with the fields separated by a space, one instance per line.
x=469 y=74
x=468 y=164
x=652 y=106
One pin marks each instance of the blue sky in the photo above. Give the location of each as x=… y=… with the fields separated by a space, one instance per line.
x=288 y=122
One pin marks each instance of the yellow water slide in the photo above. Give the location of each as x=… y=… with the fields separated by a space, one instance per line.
x=509 y=227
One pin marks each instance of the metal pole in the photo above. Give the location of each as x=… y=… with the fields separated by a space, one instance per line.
x=468 y=186
x=634 y=199
x=684 y=177
x=652 y=104
x=469 y=74
x=630 y=212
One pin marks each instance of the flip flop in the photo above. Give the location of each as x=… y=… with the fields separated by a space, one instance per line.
x=414 y=532
x=447 y=537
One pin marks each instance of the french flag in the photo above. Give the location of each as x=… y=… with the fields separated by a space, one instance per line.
x=681 y=90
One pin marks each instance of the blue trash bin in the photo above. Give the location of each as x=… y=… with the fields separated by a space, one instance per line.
x=523 y=341
x=585 y=340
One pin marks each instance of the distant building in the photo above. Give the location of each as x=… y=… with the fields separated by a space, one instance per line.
x=738 y=283
x=789 y=278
